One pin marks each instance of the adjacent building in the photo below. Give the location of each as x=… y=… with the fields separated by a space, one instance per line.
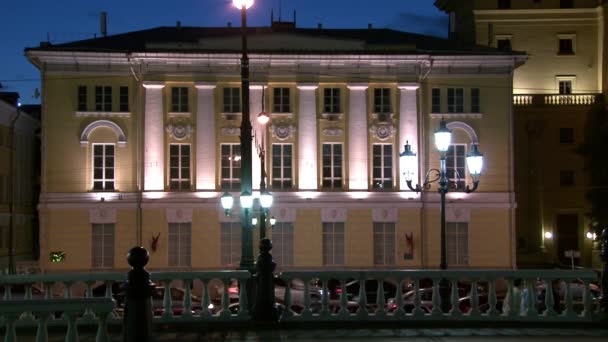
x=140 y=138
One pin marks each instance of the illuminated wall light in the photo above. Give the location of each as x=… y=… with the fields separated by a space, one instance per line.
x=548 y=235
x=591 y=236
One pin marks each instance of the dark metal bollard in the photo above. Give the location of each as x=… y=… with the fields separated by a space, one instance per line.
x=264 y=308
x=604 y=257
x=137 y=322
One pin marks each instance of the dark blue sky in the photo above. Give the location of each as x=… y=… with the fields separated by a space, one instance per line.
x=25 y=23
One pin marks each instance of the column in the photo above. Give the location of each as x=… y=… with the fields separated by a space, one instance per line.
x=154 y=159
x=408 y=126
x=307 y=137
x=205 y=136
x=357 y=138
x=255 y=108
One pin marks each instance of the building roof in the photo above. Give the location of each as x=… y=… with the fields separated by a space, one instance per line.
x=275 y=39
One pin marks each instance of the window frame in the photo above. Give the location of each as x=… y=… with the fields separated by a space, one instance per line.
x=455 y=100
x=281 y=100
x=436 y=100
x=382 y=179
x=280 y=180
x=103 y=98
x=461 y=249
x=283 y=243
x=566 y=37
x=179 y=99
x=230 y=243
x=105 y=181
x=330 y=250
x=456 y=183
x=335 y=182
x=123 y=97
x=385 y=250
x=232 y=180
x=99 y=242
x=565 y=79
x=183 y=254
x=231 y=101
x=475 y=97
x=332 y=100
x=382 y=100
x=180 y=181
x=82 y=98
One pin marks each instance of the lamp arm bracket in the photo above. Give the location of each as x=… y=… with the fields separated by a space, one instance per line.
x=468 y=189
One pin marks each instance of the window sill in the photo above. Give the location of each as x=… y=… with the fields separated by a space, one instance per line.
x=87 y=113
x=382 y=117
x=332 y=116
x=456 y=115
x=561 y=54
x=179 y=113
x=282 y=114
x=231 y=116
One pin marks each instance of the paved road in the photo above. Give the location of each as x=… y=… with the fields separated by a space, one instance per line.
x=370 y=335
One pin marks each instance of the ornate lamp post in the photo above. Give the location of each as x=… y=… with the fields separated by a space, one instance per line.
x=443 y=140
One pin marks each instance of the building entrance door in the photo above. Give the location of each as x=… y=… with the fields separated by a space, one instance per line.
x=567 y=236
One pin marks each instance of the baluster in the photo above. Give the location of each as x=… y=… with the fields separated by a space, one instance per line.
x=306 y=311
x=455 y=310
x=88 y=293
x=72 y=333
x=102 y=327
x=568 y=298
x=167 y=300
x=325 y=298
x=48 y=290
x=399 y=298
x=110 y=294
x=205 y=301
x=287 y=300
x=187 y=303
x=492 y=300
x=530 y=309
x=42 y=333
x=7 y=292
x=474 y=299
x=362 y=312
x=10 y=334
x=586 y=299
x=417 y=309
x=508 y=308
x=226 y=299
x=243 y=297
x=343 y=300
x=380 y=302
x=67 y=294
x=549 y=301
x=436 y=298
x=28 y=296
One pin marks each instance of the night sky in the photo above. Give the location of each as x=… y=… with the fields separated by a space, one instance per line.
x=25 y=23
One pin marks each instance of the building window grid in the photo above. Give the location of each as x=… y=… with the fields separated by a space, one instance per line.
x=103 y=166
x=282 y=169
x=103 y=98
x=179 y=169
x=102 y=248
x=230 y=243
x=475 y=100
x=457 y=243
x=384 y=243
x=281 y=100
x=566 y=46
x=504 y=44
x=124 y=99
x=282 y=243
x=231 y=166
x=180 y=241
x=82 y=99
x=332 y=165
x=331 y=100
x=382 y=166
x=565 y=87
x=456 y=166
x=455 y=100
x=382 y=100
x=333 y=243
x=232 y=100
x=179 y=99
x=436 y=100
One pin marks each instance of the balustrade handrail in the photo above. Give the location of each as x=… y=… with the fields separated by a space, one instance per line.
x=556 y=99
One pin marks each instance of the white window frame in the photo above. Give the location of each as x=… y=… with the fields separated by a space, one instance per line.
x=233 y=95
x=457 y=164
x=283 y=178
x=180 y=180
x=565 y=78
x=457 y=244
x=181 y=106
x=333 y=179
x=101 y=240
x=179 y=247
x=334 y=249
x=332 y=100
x=230 y=243
x=379 y=182
x=382 y=101
x=572 y=37
x=281 y=102
x=384 y=244
x=232 y=159
x=283 y=243
x=104 y=180
x=105 y=105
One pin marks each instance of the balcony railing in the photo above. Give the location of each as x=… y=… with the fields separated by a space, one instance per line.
x=308 y=296
x=555 y=100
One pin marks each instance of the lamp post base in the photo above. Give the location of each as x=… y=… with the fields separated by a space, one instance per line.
x=264 y=308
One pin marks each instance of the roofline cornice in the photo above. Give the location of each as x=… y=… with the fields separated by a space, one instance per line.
x=560 y=14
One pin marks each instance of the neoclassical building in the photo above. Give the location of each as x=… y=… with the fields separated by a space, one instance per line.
x=141 y=139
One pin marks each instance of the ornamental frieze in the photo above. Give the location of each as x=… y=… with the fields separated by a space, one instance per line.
x=333 y=132
x=383 y=131
x=179 y=129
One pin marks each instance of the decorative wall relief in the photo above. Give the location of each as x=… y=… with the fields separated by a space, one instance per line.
x=383 y=131
x=283 y=130
x=230 y=130
x=333 y=132
x=179 y=129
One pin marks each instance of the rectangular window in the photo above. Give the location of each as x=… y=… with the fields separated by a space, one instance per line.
x=180 y=237
x=281 y=100
x=282 y=243
x=455 y=166
x=566 y=46
x=82 y=98
x=382 y=100
x=436 y=100
x=282 y=156
x=455 y=100
x=332 y=166
x=232 y=100
x=566 y=177
x=103 y=99
x=566 y=3
x=179 y=169
x=179 y=99
x=102 y=245
x=475 y=108
x=504 y=4
x=333 y=243
x=566 y=135
x=383 y=166
x=124 y=99
x=331 y=100
x=103 y=166
x=457 y=243
x=231 y=243
x=231 y=166
x=565 y=87
x=384 y=243
x=503 y=44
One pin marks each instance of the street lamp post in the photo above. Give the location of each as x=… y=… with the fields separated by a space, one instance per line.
x=443 y=140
